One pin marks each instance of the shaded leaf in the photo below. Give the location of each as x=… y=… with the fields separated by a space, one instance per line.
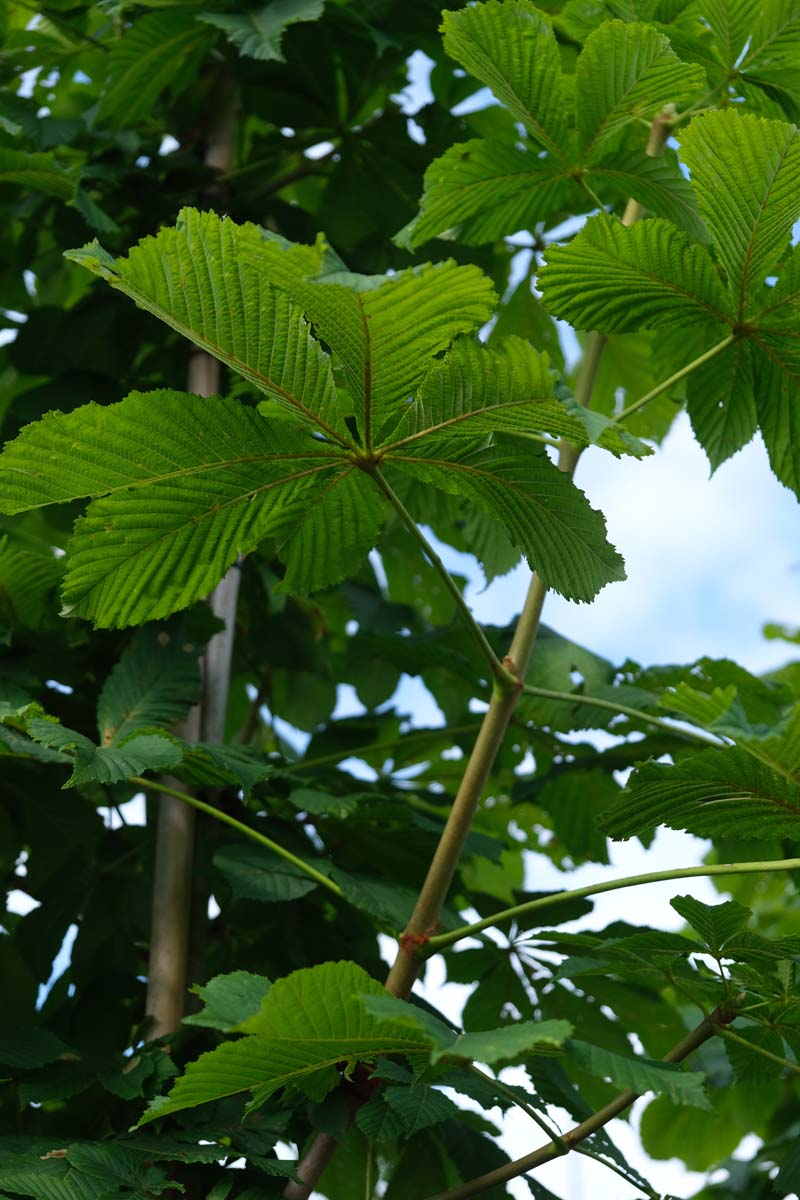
x=642 y=1074
x=259 y=32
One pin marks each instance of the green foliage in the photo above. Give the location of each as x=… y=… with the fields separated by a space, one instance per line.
x=365 y=397
x=223 y=477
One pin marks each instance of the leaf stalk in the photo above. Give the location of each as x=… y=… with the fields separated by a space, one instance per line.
x=152 y=785
x=504 y=678
x=443 y=940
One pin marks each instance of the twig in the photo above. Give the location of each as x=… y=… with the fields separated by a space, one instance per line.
x=706 y=1029
x=623 y=710
x=441 y=941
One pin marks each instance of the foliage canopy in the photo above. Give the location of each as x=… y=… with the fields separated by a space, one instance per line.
x=181 y=184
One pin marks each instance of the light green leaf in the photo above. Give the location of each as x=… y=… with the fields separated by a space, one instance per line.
x=715 y=923
x=487 y=189
x=511 y=48
x=191 y=484
x=746 y=173
x=384 y=330
x=387 y=330
x=255 y=874
x=541 y=510
x=106 y=764
x=148 y=57
x=619 y=280
x=642 y=1074
x=511 y=1042
x=259 y=32
x=657 y=183
x=39 y=172
x=717 y=793
x=731 y=22
x=348 y=502
x=509 y=388
x=627 y=72
x=182 y=275
x=770 y=61
x=229 y=1000
x=155 y=682
x=208 y=765
x=722 y=403
x=492 y=1046
x=704 y=708
x=309 y=1021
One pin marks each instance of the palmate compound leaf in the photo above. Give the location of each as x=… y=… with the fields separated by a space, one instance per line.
x=308 y=1022
x=542 y=511
x=720 y=792
x=487 y=189
x=185 y=485
x=202 y=277
x=181 y=486
x=746 y=175
x=322 y=1018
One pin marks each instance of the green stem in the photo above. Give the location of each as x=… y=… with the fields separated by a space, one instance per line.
x=676 y=378
x=503 y=1090
x=623 y=709
x=152 y=785
x=501 y=674
x=513 y=1170
x=443 y=940
x=740 y=1041
x=611 y=1166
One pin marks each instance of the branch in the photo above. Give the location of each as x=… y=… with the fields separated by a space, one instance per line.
x=186 y=798
x=706 y=1029
x=442 y=869
x=441 y=941
x=501 y=673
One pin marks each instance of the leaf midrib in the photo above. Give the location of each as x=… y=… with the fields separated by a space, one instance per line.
x=192 y=335
x=744 y=281
x=586 y=152
x=176 y=530
x=180 y=473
